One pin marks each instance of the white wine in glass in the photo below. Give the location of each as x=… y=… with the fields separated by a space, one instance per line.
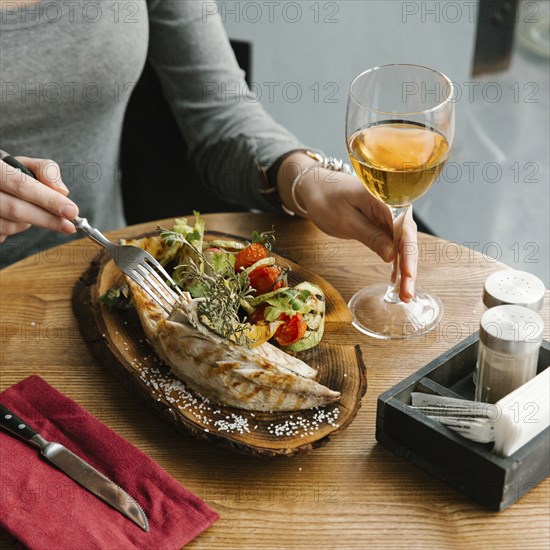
x=399 y=132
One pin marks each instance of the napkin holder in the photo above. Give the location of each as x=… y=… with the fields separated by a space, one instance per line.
x=469 y=467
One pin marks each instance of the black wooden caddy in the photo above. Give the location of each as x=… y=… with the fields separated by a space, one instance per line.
x=469 y=467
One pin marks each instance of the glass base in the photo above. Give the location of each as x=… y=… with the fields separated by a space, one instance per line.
x=376 y=317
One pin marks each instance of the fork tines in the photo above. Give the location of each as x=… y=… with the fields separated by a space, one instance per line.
x=154 y=279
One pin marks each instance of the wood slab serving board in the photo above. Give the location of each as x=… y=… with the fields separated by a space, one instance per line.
x=116 y=339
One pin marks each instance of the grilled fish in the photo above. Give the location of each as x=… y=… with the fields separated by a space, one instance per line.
x=263 y=378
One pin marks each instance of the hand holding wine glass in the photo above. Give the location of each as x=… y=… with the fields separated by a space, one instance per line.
x=399 y=132
x=337 y=203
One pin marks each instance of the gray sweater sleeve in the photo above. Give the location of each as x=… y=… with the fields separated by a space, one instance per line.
x=227 y=131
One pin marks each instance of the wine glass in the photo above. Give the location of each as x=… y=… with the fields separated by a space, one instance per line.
x=399 y=133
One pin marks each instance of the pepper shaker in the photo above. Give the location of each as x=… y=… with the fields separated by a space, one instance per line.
x=509 y=340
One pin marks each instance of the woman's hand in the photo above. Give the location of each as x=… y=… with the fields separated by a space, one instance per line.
x=25 y=201
x=339 y=205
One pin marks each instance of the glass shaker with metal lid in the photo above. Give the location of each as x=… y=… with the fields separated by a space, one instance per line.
x=509 y=340
x=512 y=287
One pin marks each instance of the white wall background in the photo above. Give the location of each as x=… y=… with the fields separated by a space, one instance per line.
x=316 y=48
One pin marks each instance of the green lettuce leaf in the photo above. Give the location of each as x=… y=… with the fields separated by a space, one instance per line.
x=117 y=298
x=289 y=301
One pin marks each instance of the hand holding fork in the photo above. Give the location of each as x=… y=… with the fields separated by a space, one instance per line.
x=134 y=262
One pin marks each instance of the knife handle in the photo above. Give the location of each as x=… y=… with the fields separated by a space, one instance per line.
x=11 y=422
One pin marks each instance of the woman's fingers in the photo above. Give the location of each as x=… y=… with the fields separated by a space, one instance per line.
x=25 y=200
x=16 y=212
x=17 y=184
x=375 y=210
x=47 y=172
x=370 y=234
x=8 y=228
x=345 y=221
x=408 y=257
x=342 y=207
x=374 y=222
x=409 y=247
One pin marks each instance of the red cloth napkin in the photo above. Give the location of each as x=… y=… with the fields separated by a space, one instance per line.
x=43 y=508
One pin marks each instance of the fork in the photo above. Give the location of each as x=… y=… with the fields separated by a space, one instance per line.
x=140 y=266
x=134 y=262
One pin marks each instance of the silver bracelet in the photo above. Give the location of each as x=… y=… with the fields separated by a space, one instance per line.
x=326 y=163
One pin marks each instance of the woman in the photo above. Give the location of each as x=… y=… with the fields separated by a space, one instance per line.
x=67 y=70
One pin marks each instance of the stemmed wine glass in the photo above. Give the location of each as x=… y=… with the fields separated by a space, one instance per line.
x=399 y=133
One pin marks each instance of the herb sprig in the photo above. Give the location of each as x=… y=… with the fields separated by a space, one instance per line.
x=222 y=294
x=117 y=298
x=267 y=238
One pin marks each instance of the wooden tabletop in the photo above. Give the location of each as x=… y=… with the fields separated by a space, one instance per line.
x=351 y=493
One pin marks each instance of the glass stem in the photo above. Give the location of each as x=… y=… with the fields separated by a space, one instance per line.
x=398 y=217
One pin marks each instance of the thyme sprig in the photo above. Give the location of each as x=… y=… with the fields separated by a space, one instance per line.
x=171 y=237
x=222 y=295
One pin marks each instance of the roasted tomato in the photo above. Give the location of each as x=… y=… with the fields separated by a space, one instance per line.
x=249 y=256
x=266 y=279
x=292 y=331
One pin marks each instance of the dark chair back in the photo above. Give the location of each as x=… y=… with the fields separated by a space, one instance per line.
x=158 y=180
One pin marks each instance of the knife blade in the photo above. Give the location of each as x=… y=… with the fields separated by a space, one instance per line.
x=76 y=468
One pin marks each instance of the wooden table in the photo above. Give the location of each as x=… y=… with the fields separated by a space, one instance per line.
x=352 y=493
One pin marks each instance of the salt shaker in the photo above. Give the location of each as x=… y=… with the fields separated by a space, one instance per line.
x=509 y=340
x=509 y=286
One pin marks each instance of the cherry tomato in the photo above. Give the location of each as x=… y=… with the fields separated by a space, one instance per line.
x=249 y=256
x=264 y=279
x=292 y=331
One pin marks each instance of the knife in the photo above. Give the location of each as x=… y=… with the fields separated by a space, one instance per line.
x=76 y=468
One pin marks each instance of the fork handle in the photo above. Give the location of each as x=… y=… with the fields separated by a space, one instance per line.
x=94 y=234
x=14 y=163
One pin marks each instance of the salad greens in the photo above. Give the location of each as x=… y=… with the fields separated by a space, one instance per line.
x=288 y=301
x=117 y=298
x=225 y=297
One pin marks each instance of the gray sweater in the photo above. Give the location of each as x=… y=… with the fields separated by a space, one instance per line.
x=67 y=70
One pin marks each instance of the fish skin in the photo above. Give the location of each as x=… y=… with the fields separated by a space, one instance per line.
x=264 y=378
